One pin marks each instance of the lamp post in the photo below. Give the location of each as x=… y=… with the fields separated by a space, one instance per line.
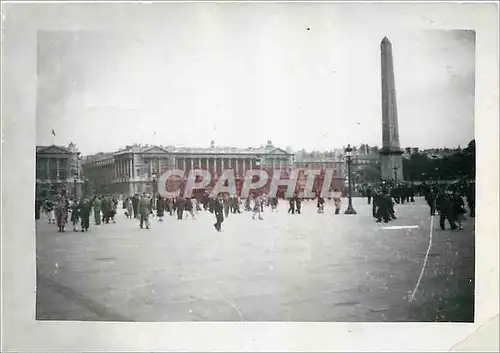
x=348 y=153
x=395 y=174
x=153 y=177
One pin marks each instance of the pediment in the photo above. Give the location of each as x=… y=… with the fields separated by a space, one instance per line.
x=155 y=150
x=52 y=150
x=278 y=151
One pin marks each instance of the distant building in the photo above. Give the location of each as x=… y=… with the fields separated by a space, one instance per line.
x=366 y=164
x=58 y=170
x=132 y=169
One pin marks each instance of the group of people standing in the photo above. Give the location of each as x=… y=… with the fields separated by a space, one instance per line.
x=448 y=201
x=60 y=208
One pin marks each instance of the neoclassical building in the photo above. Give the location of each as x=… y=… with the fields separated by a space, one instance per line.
x=134 y=168
x=58 y=170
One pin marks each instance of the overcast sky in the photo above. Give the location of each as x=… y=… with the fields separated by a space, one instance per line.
x=305 y=77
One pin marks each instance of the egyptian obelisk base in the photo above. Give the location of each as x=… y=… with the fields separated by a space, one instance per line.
x=391 y=165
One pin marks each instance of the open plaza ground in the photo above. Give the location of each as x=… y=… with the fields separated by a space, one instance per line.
x=307 y=267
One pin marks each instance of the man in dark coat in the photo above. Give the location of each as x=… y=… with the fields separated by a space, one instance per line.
x=457 y=209
x=75 y=213
x=291 y=208
x=369 y=194
x=470 y=194
x=160 y=208
x=431 y=196
x=135 y=205
x=445 y=207
x=180 y=204
x=375 y=203
x=384 y=207
x=206 y=201
x=85 y=208
x=218 y=209
x=298 y=204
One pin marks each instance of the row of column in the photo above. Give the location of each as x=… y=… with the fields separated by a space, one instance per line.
x=123 y=168
x=220 y=163
x=59 y=162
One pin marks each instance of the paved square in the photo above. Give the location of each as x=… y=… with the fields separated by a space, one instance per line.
x=308 y=267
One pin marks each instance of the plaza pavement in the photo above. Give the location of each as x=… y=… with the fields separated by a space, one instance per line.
x=308 y=267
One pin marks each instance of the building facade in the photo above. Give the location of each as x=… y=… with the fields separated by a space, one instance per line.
x=58 y=170
x=132 y=169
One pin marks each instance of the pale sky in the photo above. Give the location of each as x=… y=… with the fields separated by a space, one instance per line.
x=242 y=74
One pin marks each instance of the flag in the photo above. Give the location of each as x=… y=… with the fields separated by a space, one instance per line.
x=53 y=132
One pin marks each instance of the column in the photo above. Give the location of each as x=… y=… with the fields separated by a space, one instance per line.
x=244 y=165
x=130 y=173
x=274 y=164
x=192 y=164
x=184 y=164
x=57 y=169
x=47 y=174
x=215 y=166
x=237 y=166
x=199 y=163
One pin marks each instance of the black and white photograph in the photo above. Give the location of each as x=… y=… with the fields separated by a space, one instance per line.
x=253 y=162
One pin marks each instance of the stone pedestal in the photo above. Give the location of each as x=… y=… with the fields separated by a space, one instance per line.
x=389 y=160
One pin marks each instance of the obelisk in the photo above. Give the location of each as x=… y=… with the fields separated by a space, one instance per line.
x=391 y=161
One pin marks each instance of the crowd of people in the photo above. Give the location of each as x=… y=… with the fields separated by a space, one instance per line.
x=60 y=208
x=447 y=200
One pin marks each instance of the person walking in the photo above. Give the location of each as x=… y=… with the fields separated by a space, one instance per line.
x=75 y=213
x=160 y=208
x=61 y=213
x=97 y=205
x=180 y=205
x=143 y=209
x=195 y=207
x=291 y=208
x=337 y=201
x=257 y=208
x=85 y=208
x=369 y=194
x=218 y=210
x=444 y=206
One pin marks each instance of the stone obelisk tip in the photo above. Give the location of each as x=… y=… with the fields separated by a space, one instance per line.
x=385 y=40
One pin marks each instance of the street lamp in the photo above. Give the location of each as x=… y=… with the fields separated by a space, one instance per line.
x=395 y=174
x=348 y=153
x=153 y=176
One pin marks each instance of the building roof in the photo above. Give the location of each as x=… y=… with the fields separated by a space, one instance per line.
x=53 y=149
x=137 y=148
x=97 y=157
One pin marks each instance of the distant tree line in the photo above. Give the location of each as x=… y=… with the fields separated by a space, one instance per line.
x=459 y=164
